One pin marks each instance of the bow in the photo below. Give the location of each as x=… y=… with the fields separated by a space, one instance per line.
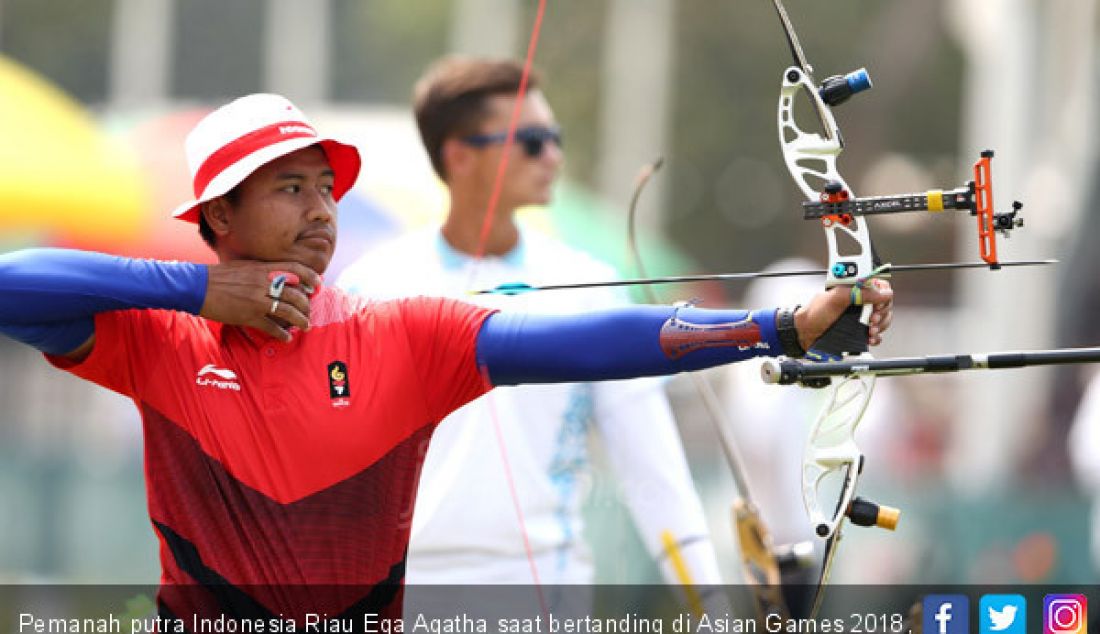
x=811 y=158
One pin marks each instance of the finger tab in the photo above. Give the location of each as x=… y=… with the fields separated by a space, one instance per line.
x=291 y=278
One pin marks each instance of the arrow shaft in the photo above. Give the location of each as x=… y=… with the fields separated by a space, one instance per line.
x=677 y=279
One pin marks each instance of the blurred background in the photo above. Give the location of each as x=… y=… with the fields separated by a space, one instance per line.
x=96 y=97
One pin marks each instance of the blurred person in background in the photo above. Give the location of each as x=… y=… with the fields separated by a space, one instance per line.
x=465 y=528
x=285 y=422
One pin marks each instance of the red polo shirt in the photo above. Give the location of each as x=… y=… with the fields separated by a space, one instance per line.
x=271 y=465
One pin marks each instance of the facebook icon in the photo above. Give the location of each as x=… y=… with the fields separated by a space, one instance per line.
x=946 y=614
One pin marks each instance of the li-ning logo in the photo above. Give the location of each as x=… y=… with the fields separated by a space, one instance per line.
x=292 y=129
x=217 y=377
x=339 y=387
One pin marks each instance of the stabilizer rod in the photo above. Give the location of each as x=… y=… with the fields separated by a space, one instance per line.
x=790 y=371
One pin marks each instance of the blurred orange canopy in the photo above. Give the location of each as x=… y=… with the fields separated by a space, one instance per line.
x=61 y=176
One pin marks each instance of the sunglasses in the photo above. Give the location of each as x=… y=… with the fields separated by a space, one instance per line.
x=533 y=139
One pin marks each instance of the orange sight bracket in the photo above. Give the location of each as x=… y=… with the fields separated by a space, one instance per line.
x=835 y=193
x=983 y=208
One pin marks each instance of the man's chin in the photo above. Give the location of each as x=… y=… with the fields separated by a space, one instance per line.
x=321 y=255
x=542 y=199
x=317 y=261
x=319 y=266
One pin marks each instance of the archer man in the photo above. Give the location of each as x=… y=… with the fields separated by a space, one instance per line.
x=285 y=422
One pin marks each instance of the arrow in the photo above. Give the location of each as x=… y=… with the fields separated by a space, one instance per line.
x=518 y=288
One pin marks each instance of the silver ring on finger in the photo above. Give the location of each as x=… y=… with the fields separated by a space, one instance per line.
x=274 y=307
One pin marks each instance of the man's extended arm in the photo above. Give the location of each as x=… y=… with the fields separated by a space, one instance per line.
x=516 y=348
x=51 y=296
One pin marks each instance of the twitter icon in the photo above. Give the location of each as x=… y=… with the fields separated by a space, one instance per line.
x=1002 y=614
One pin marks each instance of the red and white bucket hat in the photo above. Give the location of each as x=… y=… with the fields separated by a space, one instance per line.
x=238 y=138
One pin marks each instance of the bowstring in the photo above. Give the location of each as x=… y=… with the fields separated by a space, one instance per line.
x=483 y=239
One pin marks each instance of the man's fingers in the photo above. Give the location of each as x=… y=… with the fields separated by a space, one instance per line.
x=288 y=313
x=879 y=294
x=290 y=278
x=306 y=276
x=297 y=299
x=877 y=291
x=292 y=309
x=883 y=315
x=272 y=328
x=243 y=293
x=293 y=306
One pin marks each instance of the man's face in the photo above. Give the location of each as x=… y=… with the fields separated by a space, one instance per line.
x=529 y=179
x=285 y=211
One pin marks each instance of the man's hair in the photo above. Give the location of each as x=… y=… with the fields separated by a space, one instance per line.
x=449 y=100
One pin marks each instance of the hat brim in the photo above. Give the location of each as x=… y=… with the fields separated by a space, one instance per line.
x=342 y=157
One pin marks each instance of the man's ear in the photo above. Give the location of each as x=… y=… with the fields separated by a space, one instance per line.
x=457 y=157
x=217 y=213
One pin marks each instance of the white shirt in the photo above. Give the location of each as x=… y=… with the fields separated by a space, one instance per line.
x=465 y=526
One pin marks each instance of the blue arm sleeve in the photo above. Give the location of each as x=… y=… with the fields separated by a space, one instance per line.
x=613 y=344
x=49 y=297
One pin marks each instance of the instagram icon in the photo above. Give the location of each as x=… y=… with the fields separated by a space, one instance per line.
x=1065 y=614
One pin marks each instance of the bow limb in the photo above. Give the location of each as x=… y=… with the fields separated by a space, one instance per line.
x=760 y=564
x=831 y=450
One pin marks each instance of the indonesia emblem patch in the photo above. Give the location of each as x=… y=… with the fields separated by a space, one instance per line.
x=339 y=387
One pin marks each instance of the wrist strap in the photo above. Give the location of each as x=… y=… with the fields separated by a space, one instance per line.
x=788 y=334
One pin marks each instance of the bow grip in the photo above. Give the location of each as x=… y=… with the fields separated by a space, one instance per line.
x=847 y=335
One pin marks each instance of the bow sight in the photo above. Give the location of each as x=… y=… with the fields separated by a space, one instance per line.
x=837 y=206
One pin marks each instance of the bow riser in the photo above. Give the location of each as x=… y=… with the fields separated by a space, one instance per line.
x=812 y=161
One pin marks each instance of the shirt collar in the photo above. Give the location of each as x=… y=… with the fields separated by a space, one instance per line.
x=452 y=258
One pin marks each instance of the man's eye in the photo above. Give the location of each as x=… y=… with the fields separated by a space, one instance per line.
x=326 y=190
x=292 y=189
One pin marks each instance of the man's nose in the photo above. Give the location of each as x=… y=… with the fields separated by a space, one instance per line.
x=552 y=153
x=321 y=207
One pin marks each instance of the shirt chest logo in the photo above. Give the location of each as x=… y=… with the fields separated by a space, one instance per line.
x=339 y=385
x=212 y=376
